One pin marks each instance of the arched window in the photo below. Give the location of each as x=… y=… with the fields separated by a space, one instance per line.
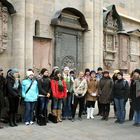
x=37 y=28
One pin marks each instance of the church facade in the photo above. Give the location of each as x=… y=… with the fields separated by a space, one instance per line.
x=79 y=34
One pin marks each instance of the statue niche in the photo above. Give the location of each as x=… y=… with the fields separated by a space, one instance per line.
x=3 y=28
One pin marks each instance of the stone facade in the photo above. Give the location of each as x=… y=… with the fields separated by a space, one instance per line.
x=77 y=37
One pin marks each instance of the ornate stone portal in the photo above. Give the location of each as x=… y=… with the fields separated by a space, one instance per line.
x=3 y=27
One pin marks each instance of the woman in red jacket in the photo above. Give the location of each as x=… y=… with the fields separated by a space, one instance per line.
x=59 y=92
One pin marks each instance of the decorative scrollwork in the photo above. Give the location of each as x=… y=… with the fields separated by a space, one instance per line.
x=3 y=28
x=68 y=61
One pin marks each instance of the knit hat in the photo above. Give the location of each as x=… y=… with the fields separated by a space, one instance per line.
x=137 y=71
x=120 y=73
x=28 y=73
x=43 y=70
x=14 y=70
x=116 y=71
x=66 y=69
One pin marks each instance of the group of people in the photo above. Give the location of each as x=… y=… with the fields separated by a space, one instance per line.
x=66 y=91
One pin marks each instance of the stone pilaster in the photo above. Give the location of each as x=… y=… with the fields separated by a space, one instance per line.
x=88 y=51
x=98 y=33
x=18 y=36
x=29 y=32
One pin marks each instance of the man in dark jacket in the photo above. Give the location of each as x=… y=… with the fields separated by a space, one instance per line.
x=2 y=91
x=135 y=96
x=120 y=94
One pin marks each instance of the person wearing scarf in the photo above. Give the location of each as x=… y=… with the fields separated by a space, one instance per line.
x=13 y=86
x=59 y=92
x=67 y=102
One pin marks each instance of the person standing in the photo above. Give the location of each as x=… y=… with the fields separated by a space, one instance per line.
x=30 y=94
x=91 y=95
x=44 y=84
x=67 y=102
x=105 y=89
x=80 y=89
x=135 y=96
x=59 y=92
x=2 y=92
x=120 y=95
x=13 y=86
x=99 y=75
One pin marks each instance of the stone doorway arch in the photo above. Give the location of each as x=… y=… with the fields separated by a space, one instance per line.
x=69 y=25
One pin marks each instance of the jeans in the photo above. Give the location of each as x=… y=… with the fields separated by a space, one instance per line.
x=57 y=104
x=67 y=106
x=137 y=116
x=120 y=108
x=29 y=108
x=43 y=105
x=79 y=101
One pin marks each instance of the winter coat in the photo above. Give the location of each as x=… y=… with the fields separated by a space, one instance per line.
x=135 y=100
x=92 y=88
x=32 y=94
x=11 y=91
x=121 y=89
x=80 y=87
x=2 y=92
x=105 y=89
x=55 y=89
x=44 y=85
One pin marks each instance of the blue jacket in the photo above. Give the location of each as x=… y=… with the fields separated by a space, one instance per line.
x=32 y=94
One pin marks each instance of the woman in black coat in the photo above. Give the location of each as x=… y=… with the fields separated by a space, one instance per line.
x=13 y=89
x=135 y=96
x=44 y=92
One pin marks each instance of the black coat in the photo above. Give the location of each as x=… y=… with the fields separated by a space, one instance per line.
x=121 y=89
x=11 y=91
x=135 y=101
x=44 y=86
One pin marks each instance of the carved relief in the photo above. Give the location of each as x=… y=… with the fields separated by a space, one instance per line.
x=68 y=61
x=3 y=28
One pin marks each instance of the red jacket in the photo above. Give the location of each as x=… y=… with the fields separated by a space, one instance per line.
x=56 y=93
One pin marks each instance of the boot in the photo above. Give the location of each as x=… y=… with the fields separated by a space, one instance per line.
x=91 y=113
x=14 y=120
x=55 y=112
x=11 y=120
x=59 y=112
x=106 y=116
x=88 y=112
x=1 y=126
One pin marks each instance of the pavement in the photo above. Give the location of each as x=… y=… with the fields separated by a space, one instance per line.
x=79 y=130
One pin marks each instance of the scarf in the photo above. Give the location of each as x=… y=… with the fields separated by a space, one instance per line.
x=60 y=85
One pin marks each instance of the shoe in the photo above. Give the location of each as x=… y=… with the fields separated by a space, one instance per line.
x=135 y=124
x=103 y=118
x=117 y=121
x=121 y=122
x=27 y=123
x=31 y=122
x=1 y=127
x=80 y=118
x=73 y=119
x=11 y=124
x=88 y=113
x=15 y=124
